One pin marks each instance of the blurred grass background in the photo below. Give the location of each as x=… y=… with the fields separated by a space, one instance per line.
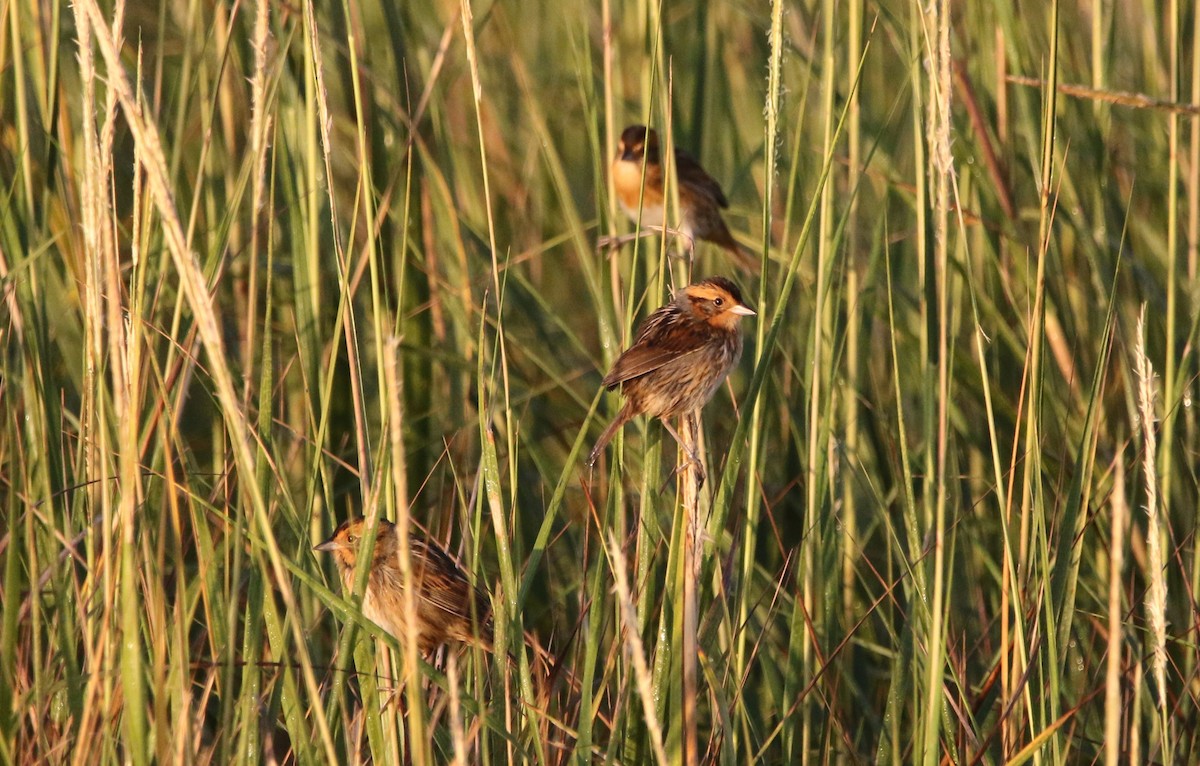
x=265 y=266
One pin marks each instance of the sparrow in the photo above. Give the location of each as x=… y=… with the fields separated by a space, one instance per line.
x=679 y=356
x=700 y=196
x=448 y=608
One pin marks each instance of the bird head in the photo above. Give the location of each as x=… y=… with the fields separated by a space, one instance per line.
x=347 y=538
x=638 y=143
x=717 y=301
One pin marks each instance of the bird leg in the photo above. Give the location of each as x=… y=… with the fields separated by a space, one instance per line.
x=691 y=458
x=606 y=242
x=690 y=243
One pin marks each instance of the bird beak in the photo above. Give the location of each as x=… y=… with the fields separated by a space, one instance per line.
x=741 y=310
x=327 y=546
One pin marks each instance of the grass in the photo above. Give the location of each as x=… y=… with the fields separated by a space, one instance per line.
x=265 y=266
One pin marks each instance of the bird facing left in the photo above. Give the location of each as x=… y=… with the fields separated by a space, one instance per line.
x=448 y=609
x=639 y=181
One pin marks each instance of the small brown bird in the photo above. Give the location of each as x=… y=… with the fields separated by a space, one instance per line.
x=444 y=596
x=679 y=357
x=700 y=197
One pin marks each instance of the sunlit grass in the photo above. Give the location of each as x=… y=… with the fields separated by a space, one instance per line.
x=266 y=266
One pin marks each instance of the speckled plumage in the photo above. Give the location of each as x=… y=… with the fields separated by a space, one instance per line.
x=680 y=355
x=443 y=594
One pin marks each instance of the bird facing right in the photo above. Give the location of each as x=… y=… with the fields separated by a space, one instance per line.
x=679 y=357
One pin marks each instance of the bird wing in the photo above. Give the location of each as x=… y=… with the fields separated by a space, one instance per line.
x=693 y=176
x=444 y=586
x=655 y=345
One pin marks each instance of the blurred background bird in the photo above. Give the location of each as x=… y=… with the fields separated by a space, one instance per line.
x=700 y=196
x=448 y=608
x=679 y=356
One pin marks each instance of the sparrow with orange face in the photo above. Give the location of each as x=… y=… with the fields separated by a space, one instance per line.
x=679 y=357
x=448 y=609
x=700 y=197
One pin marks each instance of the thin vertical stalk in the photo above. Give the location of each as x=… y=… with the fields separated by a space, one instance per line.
x=1116 y=611
x=93 y=431
x=850 y=543
x=921 y=40
x=690 y=479
x=772 y=141
x=366 y=198
x=410 y=675
x=633 y=642
x=1193 y=257
x=809 y=580
x=1172 y=253
x=772 y=138
x=937 y=29
x=1156 y=592
x=1029 y=446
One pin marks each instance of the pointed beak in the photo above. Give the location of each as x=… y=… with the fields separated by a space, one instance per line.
x=327 y=546
x=741 y=310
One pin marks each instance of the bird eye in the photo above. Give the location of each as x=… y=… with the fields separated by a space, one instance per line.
x=351 y=538
x=718 y=301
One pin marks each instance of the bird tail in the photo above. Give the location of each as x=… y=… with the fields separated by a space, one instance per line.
x=623 y=417
x=741 y=257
